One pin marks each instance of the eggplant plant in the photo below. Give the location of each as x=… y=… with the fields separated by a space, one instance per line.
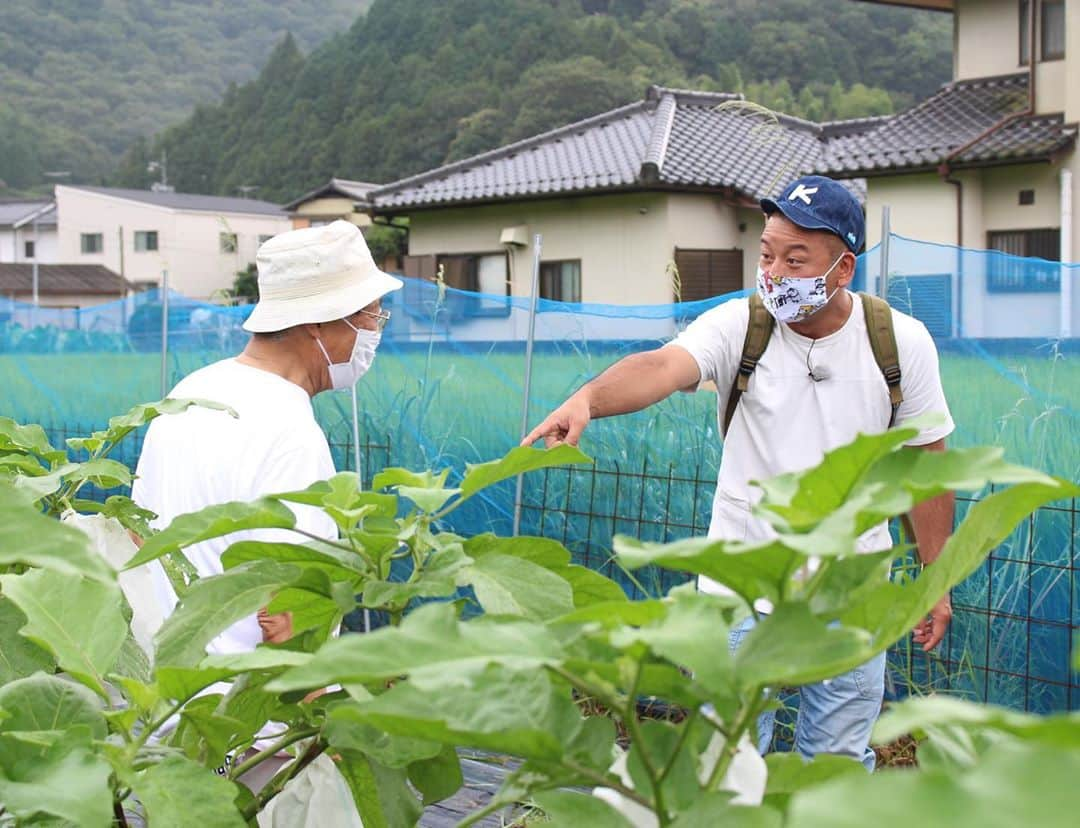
x=93 y=729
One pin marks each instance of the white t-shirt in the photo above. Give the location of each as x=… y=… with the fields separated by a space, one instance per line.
x=204 y=457
x=786 y=422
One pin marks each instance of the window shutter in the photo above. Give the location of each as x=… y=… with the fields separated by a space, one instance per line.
x=707 y=273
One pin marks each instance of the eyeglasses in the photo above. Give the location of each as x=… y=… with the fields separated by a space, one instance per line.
x=383 y=318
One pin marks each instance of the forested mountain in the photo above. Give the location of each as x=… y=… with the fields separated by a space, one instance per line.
x=80 y=80
x=412 y=83
x=416 y=83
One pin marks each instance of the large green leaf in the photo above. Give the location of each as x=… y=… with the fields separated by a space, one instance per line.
x=43 y=703
x=570 y=809
x=519 y=712
x=19 y=657
x=212 y=605
x=506 y=585
x=715 y=808
x=846 y=581
x=891 y=611
x=29 y=438
x=518 y=461
x=66 y=782
x=28 y=537
x=123 y=424
x=431 y=646
x=343 y=499
x=346 y=729
x=693 y=634
x=335 y=562
x=589 y=587
x=914 y=715
x=382 y=795
x=439 y=777
x=789 y=772
x=178 y=791
x=79 y=620
x=1015 y=784
x=214 y=522
x=750 y=570
x=791 y=647
x=663 y=746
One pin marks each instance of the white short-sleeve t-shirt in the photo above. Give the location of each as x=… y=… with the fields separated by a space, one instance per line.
x=786 y=421
x=204 y=457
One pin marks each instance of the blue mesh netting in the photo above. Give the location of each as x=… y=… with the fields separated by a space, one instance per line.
x=447 y=389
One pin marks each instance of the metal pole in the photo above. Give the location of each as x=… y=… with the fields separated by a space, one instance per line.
x=164 y=332
x=1066 y=253
x=883 y=276
x=36 y=256
x=534 y=293
x=356 y=439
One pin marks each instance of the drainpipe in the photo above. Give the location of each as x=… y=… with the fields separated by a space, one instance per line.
x=945 y=168
x=1066 y=253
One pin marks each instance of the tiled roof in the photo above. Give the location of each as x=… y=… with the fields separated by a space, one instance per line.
x=190 y=201
x=675 y=139
x=17 y=212
x=356 y=190
x=61 y=278
x=924 y=136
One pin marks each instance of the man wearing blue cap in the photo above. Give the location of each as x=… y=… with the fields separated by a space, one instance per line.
x=813 y=386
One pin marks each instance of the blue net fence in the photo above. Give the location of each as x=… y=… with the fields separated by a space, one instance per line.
x=448 y=389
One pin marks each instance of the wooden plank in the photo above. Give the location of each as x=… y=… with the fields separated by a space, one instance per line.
x=483 y=777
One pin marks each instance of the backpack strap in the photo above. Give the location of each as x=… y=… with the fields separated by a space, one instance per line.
x=879 y=327
x=758 y=331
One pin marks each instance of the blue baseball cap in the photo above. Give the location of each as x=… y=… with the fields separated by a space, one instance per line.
x=815 y=202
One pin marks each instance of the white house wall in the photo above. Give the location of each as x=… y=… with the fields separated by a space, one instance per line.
x=188 y=241
x=12 y=245
x=987 y=38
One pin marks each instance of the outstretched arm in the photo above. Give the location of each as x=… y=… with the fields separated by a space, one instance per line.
x=932 y=522
x=632 y=383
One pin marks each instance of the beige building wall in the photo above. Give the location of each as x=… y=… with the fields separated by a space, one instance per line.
x=987 y=38
x=13 y=245
x=922 y=206
x=328 y=209
x=189 y=244
x=626 y=243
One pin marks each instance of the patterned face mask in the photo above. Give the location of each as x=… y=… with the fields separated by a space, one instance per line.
x=791 y=299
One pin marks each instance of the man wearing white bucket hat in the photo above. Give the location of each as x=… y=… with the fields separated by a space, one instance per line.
x=316 y=326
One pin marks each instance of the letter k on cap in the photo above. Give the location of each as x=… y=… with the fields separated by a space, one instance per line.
x=802 y=192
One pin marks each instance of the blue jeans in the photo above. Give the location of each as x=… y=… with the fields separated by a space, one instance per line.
x=835 y=715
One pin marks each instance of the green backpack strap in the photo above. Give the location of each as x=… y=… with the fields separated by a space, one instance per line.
x=879 y=327
x=758 y=331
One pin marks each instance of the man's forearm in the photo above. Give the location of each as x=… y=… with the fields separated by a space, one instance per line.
x=631 y=384
x=932 y=522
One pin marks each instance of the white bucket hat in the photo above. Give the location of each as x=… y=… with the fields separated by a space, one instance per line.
x=317 y=274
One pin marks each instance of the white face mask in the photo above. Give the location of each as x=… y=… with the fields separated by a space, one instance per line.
x=791 y=299
x=344 y=375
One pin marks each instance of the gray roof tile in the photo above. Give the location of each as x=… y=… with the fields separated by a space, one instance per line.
x=190 y=201
x=61 y=278
x=13 y=212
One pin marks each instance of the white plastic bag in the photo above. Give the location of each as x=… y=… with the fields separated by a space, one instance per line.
x=318 y=797
x=115 y=545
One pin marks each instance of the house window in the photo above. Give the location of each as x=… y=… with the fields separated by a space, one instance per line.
x=1011 y=274
x=1050 y=25
x=561 y=281
x=227 y=241
x=707 y=273
x=28 y=250
x=483 y=273
x=91 y=242
x=264 y=238
x=145 y=240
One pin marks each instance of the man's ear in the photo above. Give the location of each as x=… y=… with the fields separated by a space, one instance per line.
x=845 y=269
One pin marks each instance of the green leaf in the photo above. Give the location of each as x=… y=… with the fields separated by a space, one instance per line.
x=67 y=782
x=178 y=791
x=792 y=647
x=31 y=539
x=429 y=500
x=78 y=620
x=343 y=499
x=121 y=425
x=431 y=645
x=346 y=729
x=212 y=605
x=915 y=715
x=30 y=438
x=19 y=657
x=214 y=522
x=693 y=634
x=181 y=683
x=589 y=587
x=750 y=570
x=42 y=702
x=1015 y=784
x=789 y=773
x=518 y=461
x=382 y=795
x=846 y=581
x=570 y=809
x=661 y=744
x=803 y=498
x=124 y=509
x=439 y=777
x=890 y=611
x=103 y=472
x=616 y=613
x=713 y=809
x=392 y=478
x=507 y=585
x=521 y=712
x=337 y=563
